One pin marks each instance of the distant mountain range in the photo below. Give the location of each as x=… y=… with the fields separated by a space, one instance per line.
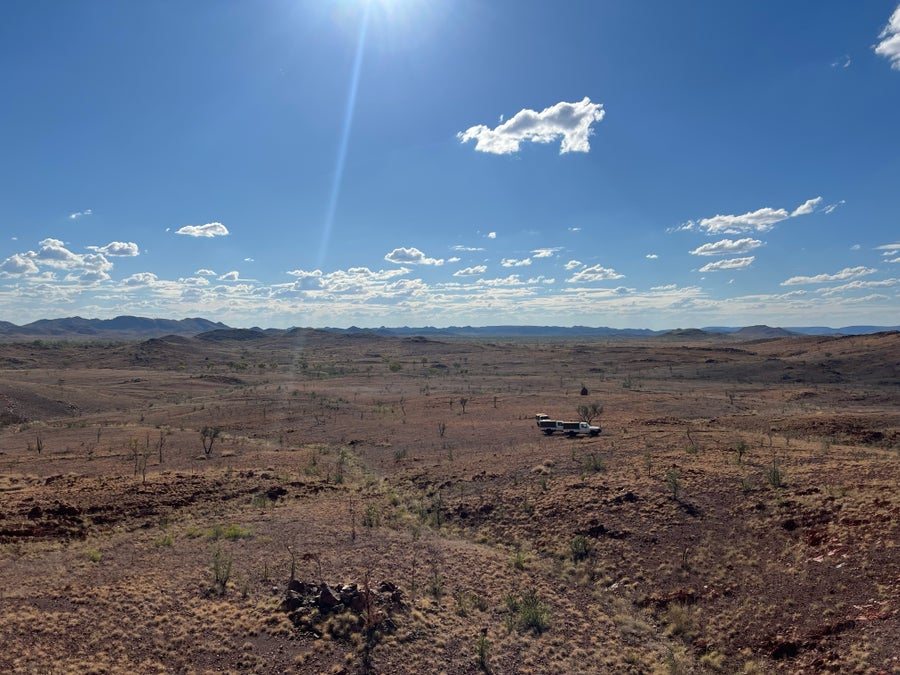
x=120 y=328
x=141 y=328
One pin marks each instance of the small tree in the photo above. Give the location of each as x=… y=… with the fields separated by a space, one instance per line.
x=208 y=435
x=589 y=412
x=462 y=402
x=673 y=480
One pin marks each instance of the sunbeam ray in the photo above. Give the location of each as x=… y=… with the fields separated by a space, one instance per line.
x=345 y=135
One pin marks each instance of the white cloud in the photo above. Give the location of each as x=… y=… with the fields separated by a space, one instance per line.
x=667 y=287
x=89 y=267
x=806 y=207
x=466 y=248
x=511 y=280
x=122 y=249
x=307 y=281
x=831 y=207
x=846 y=273
x=541 y=279
x=889 y=47
x=88 y=276
x=193 y=281
x=79 y=214
x=230 y=276
x=574 y=229
x=843 y=62
x=54 y=253
x=761 y=220
x=545 y=252
x=208 y=230
x=858 y=285
x=572 y=264
x=249 y=260
x=454 y=259
x=205 y=272
x=411 y=256
x=729 y=264
x=651 y=256
x=491 y=235
x=889 y=248
x=470 y=271
x=594 y=273
x=140 y=279
x=514 y=262
x=571 y=121
x=18 y=265
x=727 y=247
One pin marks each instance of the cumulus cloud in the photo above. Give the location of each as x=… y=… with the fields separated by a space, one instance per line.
x=307 y=281
x=515 y=262
x=545 y=252
x=79 y=214
x=570 y=121
x=471 y=271
x=18 y=265
x=208 y=230
x=361 y=282
x=193 y=281
x=729 y=264
x=140 y=279
x=233 y=275
x=572 y=264
x=889 y=47
x=843 y=275
x=54 y=253
x=205 y=272
x=594 y=273
x=491 y=235
x=122 y=249
x=651 y=256
x=727 y=247
x=761 y=220
x=411 y=256
x=511 y=280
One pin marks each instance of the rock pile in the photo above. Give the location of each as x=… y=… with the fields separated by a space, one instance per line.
x=308 y=604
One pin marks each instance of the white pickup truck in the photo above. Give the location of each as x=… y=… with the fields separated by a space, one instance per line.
x=570 y=429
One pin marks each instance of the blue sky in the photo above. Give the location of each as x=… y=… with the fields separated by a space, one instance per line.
x=405 y=162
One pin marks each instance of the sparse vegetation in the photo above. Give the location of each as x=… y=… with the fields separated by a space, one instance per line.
x=673 y=481
x=529 y=612
x=628 y=552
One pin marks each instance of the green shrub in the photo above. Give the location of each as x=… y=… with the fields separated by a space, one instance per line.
x=579 y=547
x=774 y=475
x=673 y=480
x=532 y=613
x=232 y=532
x=594 y=463
x=370 y=517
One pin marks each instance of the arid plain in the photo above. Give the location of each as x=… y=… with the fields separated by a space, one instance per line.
x=314 y=502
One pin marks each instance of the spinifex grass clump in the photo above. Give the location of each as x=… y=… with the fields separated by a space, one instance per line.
x=529 y=612
x=579 y=547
